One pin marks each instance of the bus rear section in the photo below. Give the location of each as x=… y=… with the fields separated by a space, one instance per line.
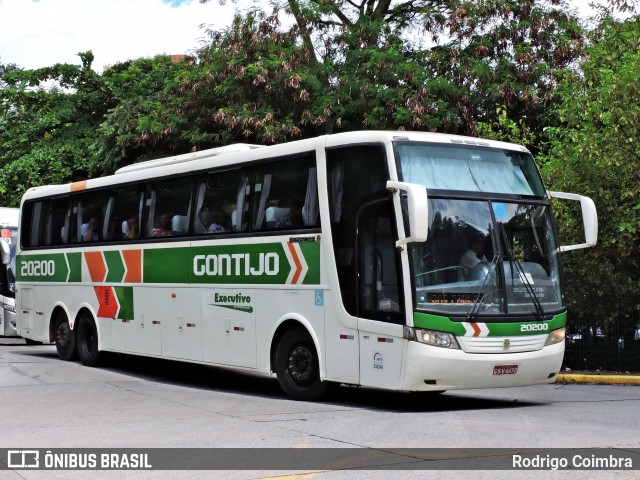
x=9 y=231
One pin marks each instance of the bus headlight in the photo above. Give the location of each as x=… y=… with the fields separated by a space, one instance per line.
x=437 y=339
x=556 y=336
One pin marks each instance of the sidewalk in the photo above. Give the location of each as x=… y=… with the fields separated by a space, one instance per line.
x=604 y=378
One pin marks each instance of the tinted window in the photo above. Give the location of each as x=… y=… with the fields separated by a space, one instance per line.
x=168 y=206
x=123 y=213
x=285 y=195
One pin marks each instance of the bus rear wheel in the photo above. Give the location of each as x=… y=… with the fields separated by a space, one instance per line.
x=65 y=338
x=87 y=339
x=297 y=367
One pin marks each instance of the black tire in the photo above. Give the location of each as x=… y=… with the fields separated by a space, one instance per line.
x=297 y=367
x=65 y=338
x=87 y=340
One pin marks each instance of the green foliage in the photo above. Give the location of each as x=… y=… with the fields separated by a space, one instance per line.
x=594 y=150
x=427 y=65
x=141 y=118
x=253 y=83
x=507 y=130
x=66 y=122
x=46 y=132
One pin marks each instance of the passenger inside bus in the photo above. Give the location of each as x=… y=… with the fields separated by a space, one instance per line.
x=291 y=219
x=163 y=228
x=131 y=229
x=222 y=223
x=89 y=231
x=203 y=220
x=472 y=256
x=113 y=229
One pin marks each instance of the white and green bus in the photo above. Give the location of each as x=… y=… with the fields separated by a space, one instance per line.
x=342 y=259
x=9 y=236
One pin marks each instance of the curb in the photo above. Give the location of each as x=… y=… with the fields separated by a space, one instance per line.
x=598 y=379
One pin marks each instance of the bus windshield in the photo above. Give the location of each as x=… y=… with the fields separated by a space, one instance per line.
x=485 y=257
x=469 y=168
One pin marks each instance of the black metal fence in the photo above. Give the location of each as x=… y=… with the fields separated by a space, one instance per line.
x=603 y=335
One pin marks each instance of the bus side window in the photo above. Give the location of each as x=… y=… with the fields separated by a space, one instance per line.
x=379 y=276
x=286 y=194
x=168 y=207
x=217 y=198
x=124 y=205
x=32 y=224
x=87 y=216
x=57 y=222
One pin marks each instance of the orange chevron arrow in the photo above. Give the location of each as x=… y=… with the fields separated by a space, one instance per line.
x=296 y=260
x=133 y=263
x=96 y=266
x=476 y=329
x=108 y=302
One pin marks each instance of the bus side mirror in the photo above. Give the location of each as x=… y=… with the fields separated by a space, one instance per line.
x=6 y=252
x=418 y=210
x=589 y=218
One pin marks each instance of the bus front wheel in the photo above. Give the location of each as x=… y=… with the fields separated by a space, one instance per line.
x=87 y=339
x=65 y=338
x=297 y=367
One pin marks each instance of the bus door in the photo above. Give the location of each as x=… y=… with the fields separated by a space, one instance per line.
x=380 y=298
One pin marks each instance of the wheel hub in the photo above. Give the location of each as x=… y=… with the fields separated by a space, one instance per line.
x=62 y=335
x=301 y=364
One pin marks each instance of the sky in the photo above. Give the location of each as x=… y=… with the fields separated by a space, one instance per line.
x=41 y=33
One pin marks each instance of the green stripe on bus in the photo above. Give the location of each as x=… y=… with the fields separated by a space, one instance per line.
x=263 y=263
x=115 y=266
x=75 y=266
x=311 y=253
x=437 y=322
x=496 y=329
x=125 y=300
x=42 y=268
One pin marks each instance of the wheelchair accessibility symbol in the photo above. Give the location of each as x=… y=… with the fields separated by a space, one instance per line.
x=319 y=298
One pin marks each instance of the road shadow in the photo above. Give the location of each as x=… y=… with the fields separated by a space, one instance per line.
x=407 y=402
x=12 y=342
x=192 y=375
x=227 y=380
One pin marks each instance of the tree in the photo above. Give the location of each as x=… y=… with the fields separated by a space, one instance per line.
x=142 y=120
x=342 y=65
x=47 y=121
x=594 y=150
x=429 y=64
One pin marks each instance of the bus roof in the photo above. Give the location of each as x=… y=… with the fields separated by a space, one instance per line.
x=237 y=154
x=188 y=157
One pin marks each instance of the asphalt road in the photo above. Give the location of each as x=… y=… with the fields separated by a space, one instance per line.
x=138 y=403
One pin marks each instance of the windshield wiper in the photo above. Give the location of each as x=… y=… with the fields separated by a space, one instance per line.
x=523 y=278
x=473 y=313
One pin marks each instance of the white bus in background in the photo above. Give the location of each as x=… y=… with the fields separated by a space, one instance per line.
x=9 y=231
x=400 y=260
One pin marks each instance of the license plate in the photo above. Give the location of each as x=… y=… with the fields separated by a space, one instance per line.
x=505 y=369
